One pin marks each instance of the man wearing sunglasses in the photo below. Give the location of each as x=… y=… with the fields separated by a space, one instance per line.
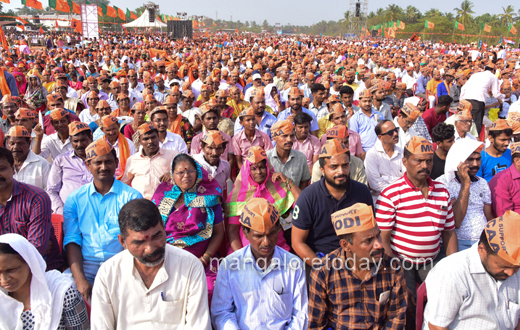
x=384 y=162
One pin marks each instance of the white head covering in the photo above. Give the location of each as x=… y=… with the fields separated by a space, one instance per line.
x=459 y=152
x=269 y=101
x=47 y=290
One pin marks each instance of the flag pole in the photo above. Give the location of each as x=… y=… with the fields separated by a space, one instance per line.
x=479 y=33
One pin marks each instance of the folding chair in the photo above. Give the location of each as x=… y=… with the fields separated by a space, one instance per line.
x=421 y=302
x=57 y=223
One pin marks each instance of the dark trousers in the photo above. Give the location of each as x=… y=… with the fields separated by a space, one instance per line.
x=477 y=113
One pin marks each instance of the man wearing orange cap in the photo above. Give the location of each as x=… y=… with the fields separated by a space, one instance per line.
x=445 y=87
x=134 y=97
x=161 y=90
x=249 y=136
x=283 y=158
x=295 y=107
x=304 y=141
x=123 y=146
x=69 y=171
x=9 y=108
x=213 y=145
x=462 y=121
x=431 y=88
x=464 y=288
x=167 y=140
x=56 y=143
x=409 y=78
x=496 y=157
x=115 y=89
x=25 y=117
x=363 y=122
x=146 y=169
x=312 y=234
x=404 y=121
x=505 y=186
x=28 y=167
x=273 y=278
x=379 y=95
x=91 y=228
x=365 y=274
x=135 y=85
x=414 y=212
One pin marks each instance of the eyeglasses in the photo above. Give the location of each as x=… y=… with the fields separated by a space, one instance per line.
x=391 y=132
x=467 y=121
x=408 y=122
x=183 y=173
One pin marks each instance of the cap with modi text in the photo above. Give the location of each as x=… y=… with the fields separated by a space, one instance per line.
x=259 y=215
x=419 y=145
x=98 y=148
x=503 y=235
x=358 y=217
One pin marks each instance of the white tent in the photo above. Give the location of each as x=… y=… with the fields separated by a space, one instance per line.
x=144 y=22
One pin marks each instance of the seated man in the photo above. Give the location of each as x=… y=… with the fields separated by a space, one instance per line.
x=167 y=139
x=268 y=289
x=404 y=121
x=26 y=210
x=68 y=171
x=368 y=290
x=478 y=288
x=169 y=282
x=496 y=157
x=150 y=166
x=463 y=121
x=313 y=235
x=505 y=190
x=305 y=142
x=443 y=136
x=90 y=216
x=57 y=143
x=123 y=146
x=28 y=167
x=9 y=108
x=213 y=145
x=26 y=117
x=357 y=169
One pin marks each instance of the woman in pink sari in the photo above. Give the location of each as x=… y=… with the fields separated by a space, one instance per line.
x=21 y=82
x=192 y=213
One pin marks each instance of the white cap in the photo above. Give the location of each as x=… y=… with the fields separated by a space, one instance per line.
x=257 y=76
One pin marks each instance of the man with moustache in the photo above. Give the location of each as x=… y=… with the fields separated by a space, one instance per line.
x=213 y=144
x=9 y=108
x=368 y=290
x=469 y=213
x=150 y=284
x=478 y=288
x=167 y=140
x=263 y=119
x=90 y=214
x=68 y=171
x=313 y=235
x=295 y=102
x=150 y=166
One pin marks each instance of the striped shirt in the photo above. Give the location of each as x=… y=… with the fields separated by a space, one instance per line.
x=28 y=213
x=416 y=222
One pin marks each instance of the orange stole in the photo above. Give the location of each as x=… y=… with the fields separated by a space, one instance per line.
x=175 y=126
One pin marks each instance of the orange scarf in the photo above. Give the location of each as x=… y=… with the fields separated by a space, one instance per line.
x=124 y=153
x=175 y=126
x=4 y=87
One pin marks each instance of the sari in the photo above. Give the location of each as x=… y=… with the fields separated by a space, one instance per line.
x=269 y=101
x=36 y=97
x=246 y=188
x=238 y=107
x=190 y=227
x=22 y=87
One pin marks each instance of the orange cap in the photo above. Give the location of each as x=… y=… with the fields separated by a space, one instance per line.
x=515 y=148
x=257 y=92
x=222 y=93
x=513 y=119
x=57 y=114
x=400 y=85
x=150 y=98
x=76 y=127
x=168 y=100
x=102 y=104
x=256 y=154
x=156 y=110
x=337 y=108
x=419 y=145
x=503 y=235
x=465 y=105
x=358 y=217
x=259 y=215
x=53 y=97
x=295 y=91
x=216 y=137
x=108 y=120
x=366 y=93
x=157 y=78
x=332 y=148
x=499 y=125
x=249 y=111
x=145 y=128
x=411 y=111
x=9 y=99
x=25 y=113
x=98 y=148
x=350 y=74
x=188 y=93
x=282 y=127
x=340 y=132
x=204 y=87
x=18 y=131
x=333 y=98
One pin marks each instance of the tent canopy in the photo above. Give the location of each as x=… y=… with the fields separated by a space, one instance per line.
x=144 y=22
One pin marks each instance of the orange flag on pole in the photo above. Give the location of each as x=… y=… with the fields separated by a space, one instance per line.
x=111 y=12
x=3 y=40
x=31 y=3
x=5 y=1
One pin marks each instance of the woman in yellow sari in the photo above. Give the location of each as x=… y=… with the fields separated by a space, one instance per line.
x=236 y=101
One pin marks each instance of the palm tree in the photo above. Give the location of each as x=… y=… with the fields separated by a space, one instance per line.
x=371 y=15
x=393 y=12
x=412 y=14
x=432 y=13
x=465 y=11
x=346 y=19
x=449 y=16
x=380 y=12
x=508 y=16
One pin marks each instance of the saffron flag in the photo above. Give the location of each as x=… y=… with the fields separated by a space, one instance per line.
x=111 y=12
x=31 y=3
x=120 y=13
x=429 y=25
x=402 y=25
x=41 y=30
x=214 y=24
x=485 y=27
x=415 y=37
x=21 y=20
x=132 y=15
x=20 y=26
x=6 y=1
x=459 y=26
x=512 y=29
x=236 y=31
x=3 y=40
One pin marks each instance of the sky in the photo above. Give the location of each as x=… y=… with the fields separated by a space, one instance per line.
x=302 y=12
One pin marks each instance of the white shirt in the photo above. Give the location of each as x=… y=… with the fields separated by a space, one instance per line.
x=404 y=137
x=195 y=87
x=462 y=295
x=34 y=171
x=381 y=169
x=409 y=81
x=86 y=117
x=220 y=173
x=138 y=89
x=175 y=142
x=52 y=145
x=468 y=136
x=177 y=299
x=478 y=85
x=71 y=92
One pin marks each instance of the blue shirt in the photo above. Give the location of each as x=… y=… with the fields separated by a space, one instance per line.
x=90 y=219
x=365 y=127
x=11 y=82
x=247 y=297
x=287 y=112
x=267 y=121
x=490 y=165
x=441 y=89
x=422 y=81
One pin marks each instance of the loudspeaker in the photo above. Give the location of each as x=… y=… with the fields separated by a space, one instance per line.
x=358 y=9
x=36 y=19
x=151 y=15
x=180 y=29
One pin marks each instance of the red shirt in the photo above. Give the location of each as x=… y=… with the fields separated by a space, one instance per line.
x=505 y=191
x=431 y=119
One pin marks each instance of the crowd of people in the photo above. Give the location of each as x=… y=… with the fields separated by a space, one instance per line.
x=245 y=182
